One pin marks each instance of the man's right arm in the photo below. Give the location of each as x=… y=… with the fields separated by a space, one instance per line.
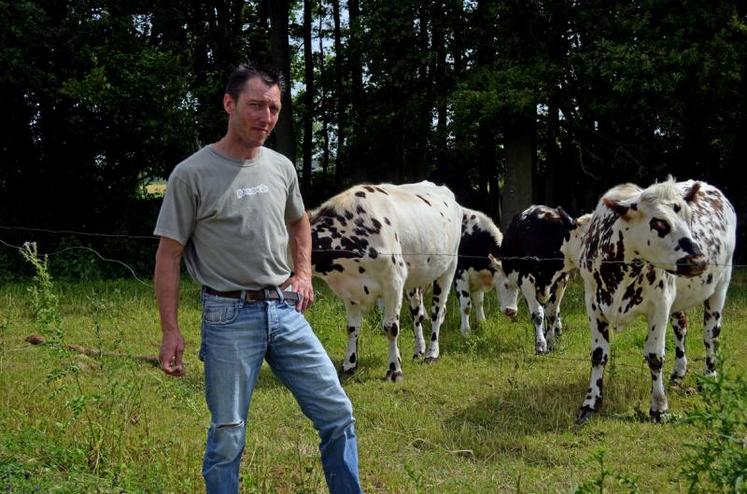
x=166 y=280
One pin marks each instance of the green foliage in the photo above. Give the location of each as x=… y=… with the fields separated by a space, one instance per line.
x=44 y=300
x=604 y=477
x=103 y=414
x=717 y=462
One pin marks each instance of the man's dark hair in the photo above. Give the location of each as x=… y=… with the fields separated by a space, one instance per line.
x=242 y=73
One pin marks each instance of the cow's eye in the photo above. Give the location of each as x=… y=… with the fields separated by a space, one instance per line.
x=662 y=227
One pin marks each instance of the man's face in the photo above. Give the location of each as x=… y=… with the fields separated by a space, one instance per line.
x=252 y=117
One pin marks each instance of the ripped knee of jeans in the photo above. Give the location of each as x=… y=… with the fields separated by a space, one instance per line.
x=234 y=425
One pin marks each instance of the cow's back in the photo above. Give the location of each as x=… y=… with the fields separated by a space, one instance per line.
x=411 y=228
x=531 y=245
x=427 y=220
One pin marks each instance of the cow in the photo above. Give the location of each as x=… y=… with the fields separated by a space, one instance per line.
x=538 y=252
x=655 y=252
x=475 y=273
x=382 y=241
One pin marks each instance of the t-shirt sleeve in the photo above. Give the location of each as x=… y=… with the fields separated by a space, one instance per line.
x=294 y=208
x=176 y=220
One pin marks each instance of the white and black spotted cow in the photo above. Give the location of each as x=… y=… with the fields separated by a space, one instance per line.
x=537 y=258
x=381 y=241
x=655 y=253
x=475 y=273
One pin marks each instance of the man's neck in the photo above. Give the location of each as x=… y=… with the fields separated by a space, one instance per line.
x=234 y=150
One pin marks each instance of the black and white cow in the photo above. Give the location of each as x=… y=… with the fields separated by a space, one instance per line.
x=381 y=241
x=655 y=253
x=538 y=253
x=475 y=274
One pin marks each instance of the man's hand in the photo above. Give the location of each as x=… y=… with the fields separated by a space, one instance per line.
x=300 y=247
x=303 y=287
x=170 y=356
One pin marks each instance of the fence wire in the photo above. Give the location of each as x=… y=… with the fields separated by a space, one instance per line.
x=348 y=253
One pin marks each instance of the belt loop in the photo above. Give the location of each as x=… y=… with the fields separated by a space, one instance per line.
x=243 y=297
x=281 y=297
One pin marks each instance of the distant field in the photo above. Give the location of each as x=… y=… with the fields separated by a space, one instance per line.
x=157 y=189
x=489 y=417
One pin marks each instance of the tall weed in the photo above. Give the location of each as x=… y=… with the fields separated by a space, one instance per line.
x=100 y=402
x=717 y=462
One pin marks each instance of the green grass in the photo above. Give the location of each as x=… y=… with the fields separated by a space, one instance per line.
x=488 y=417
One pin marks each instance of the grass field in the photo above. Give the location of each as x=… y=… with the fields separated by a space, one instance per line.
x=489 y=417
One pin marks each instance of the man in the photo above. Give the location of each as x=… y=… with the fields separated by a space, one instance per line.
x=229 y=210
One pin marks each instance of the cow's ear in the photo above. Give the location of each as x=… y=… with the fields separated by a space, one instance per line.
x=568 y=222
x=692 y=193
x=617 y=208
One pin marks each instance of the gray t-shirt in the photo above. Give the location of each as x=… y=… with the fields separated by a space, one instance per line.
x=231 y=217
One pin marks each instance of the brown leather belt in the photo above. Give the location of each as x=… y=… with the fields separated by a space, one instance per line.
x=256 y=295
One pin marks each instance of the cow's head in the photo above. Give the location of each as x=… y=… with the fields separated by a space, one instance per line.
x=655 y=227
x=508 y=292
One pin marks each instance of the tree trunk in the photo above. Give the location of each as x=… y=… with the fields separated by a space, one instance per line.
x=323 y=99
x=519 y=138
x=358 y=166
x=487 y=160
x=285 y=138
x=308 y=114
x=341 y=96
x=550 y=197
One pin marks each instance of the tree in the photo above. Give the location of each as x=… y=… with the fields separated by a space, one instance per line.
x=285 y=139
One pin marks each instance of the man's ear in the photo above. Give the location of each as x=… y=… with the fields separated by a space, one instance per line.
x=228 y=103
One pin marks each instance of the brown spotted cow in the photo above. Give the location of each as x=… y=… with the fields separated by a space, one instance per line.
x=382 y=241
x=539 y=252
x=475 y=274
x=654 y=253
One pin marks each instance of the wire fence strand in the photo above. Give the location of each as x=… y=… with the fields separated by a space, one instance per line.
x=346 y=252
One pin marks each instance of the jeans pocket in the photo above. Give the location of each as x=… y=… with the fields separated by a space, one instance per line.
x=219 y=314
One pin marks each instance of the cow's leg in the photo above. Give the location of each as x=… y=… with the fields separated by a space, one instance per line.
x=713 y=309
x=679 y=326
x=461 y=280
x=478 y=298
x=552 y=310
x=600 y=350
x=441 y=287
x=654 y=355
x=415 y=297
x=538 y=316
x=392 y=307
x=355 y=317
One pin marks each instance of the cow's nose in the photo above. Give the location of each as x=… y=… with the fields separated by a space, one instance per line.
x=689 y=247
x=691 y=265
x=510 y=312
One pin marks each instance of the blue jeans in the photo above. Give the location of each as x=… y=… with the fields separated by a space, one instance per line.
x=236 y=338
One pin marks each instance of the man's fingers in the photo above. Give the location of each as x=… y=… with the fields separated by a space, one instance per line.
x=173 y=366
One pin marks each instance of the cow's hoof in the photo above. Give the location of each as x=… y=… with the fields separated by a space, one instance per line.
x=430 y=360
x=417 y=357
x=676 y=379
x=658 y=416
x=584 y=415
x=348 y=372
x=542 y=350
x=394 y=376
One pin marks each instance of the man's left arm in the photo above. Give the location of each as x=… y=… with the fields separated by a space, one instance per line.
x=300 y=247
